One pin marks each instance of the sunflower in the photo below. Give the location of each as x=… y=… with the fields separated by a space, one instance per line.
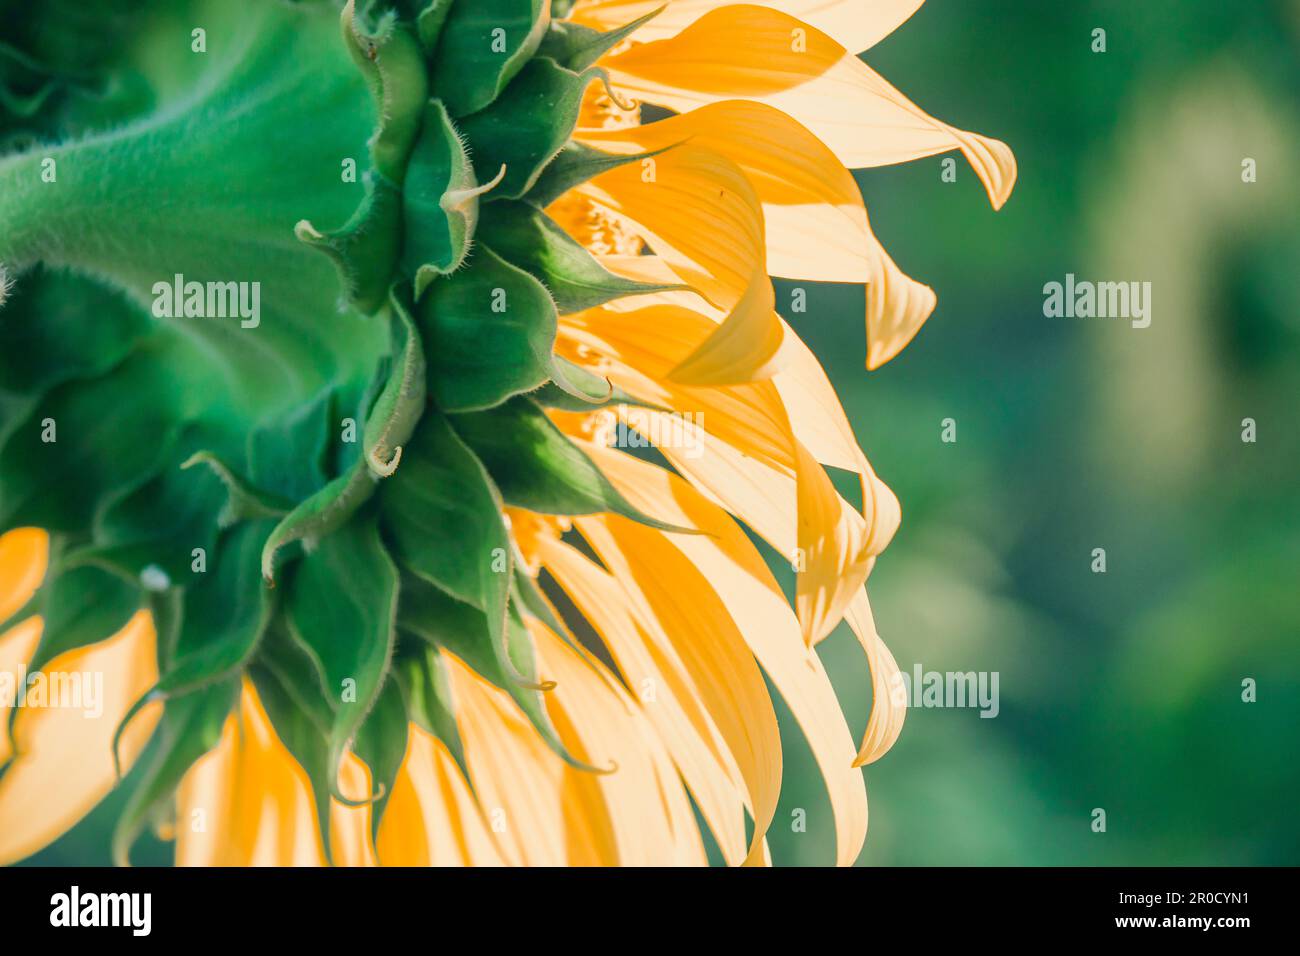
x=383 y=417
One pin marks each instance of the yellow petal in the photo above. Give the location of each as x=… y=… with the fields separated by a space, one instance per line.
x=639 y=350
x=432 y=818
x=64 y=762
x=351 y=843
x=816 y=223
x=686 y=618
x=857 y=24
x=888 y=702
x=16 y=648
x=833 y=559
x=627 y=812
x=740 y=577
x=701 y=216
x=803 y=72
x=247 y=802
x=678 y=713
x=518 y=781
x=23 y=556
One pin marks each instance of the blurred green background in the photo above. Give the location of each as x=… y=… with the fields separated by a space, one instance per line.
x=1122 y=690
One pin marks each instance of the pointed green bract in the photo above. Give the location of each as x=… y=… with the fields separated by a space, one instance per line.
x=511 y=664
x=527 y=125
x=399 y=406
x=227 y=610
x=526 y=237
x=341 y=606
x=443 y=517
x=488 y=331
x=392 y=63
x=381 y=744
x=537 y=467
x=580 y=390
x=440 y=201
x=320 y=515
x=577 y=46
x=365 y=249
x=243 y=501
x=423 y=673
x=574 y=165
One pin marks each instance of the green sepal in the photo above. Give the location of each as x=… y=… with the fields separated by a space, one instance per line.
x=341 y=607
x=429 y=700
x=481 y=46
x=398 y=408
x=527 y=125
x=82 y=605
x=427 y=611
x=537 y=467
x=488 y=331
x=577 y=47
x=60 y=484
x=288 y=453
x=128 y=537
x=525 y=236
x=45 y=339
x=582 y=391
x=288 y=684
x=318 y=516
x=428 y=24
x=458 y=628
x=575 y=164
x=526 y=594
x=442 y=516
x=381 y=744
x=440 y=201
x=226 y=612
x=366 y=248
x=393 y=65
x=243 y=501
x=190 y=727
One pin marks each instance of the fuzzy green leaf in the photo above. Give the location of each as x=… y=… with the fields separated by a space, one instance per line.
x=399 y=406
